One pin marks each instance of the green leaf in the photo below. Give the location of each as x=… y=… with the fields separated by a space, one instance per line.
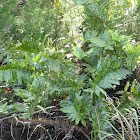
x=2 y=107
x=21 y=107
x=8 y=76
x=76 y=111
x=90 y=34
x=108 y=47
x=38 y=83
x=98 y=42
x=24 y=116
x=113 y=78
x=97 y=91
x=18 y=44
x=19 y=77
x=101 y=90
x=79 y=53
x=127 y=86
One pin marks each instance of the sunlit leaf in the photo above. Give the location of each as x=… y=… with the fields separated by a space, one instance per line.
x=79 y=53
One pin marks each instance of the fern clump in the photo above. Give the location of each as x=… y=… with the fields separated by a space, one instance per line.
x=35 y=74
x=104 y=66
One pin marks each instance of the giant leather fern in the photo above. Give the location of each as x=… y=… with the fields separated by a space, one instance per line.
x=108 y=73
x=42 y=73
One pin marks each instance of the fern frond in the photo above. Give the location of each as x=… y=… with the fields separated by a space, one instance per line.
x=38 y=83
x=76 y=110
x=105 y=66
x=132 y=54
x=108 y=73
x=100 y=10
x=14 y=75
x=113 y=78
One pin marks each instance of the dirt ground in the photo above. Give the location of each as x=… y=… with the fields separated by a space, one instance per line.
x=42 y=126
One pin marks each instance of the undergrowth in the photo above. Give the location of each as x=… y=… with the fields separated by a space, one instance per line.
x=38 y=69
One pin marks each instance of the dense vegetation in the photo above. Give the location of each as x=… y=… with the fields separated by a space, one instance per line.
x=81 y=57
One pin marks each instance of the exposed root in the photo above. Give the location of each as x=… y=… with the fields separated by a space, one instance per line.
x=66 y=128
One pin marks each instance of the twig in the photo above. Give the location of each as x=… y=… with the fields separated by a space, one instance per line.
x=12 y=131
x=68 y=134
x=46 y=131
x=23 y=122
x=55 y=138
x=3 y=100
x=33 y=131
x=45 y=111
x=9 y=117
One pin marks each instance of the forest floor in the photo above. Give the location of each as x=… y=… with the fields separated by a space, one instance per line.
x=51 y=125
